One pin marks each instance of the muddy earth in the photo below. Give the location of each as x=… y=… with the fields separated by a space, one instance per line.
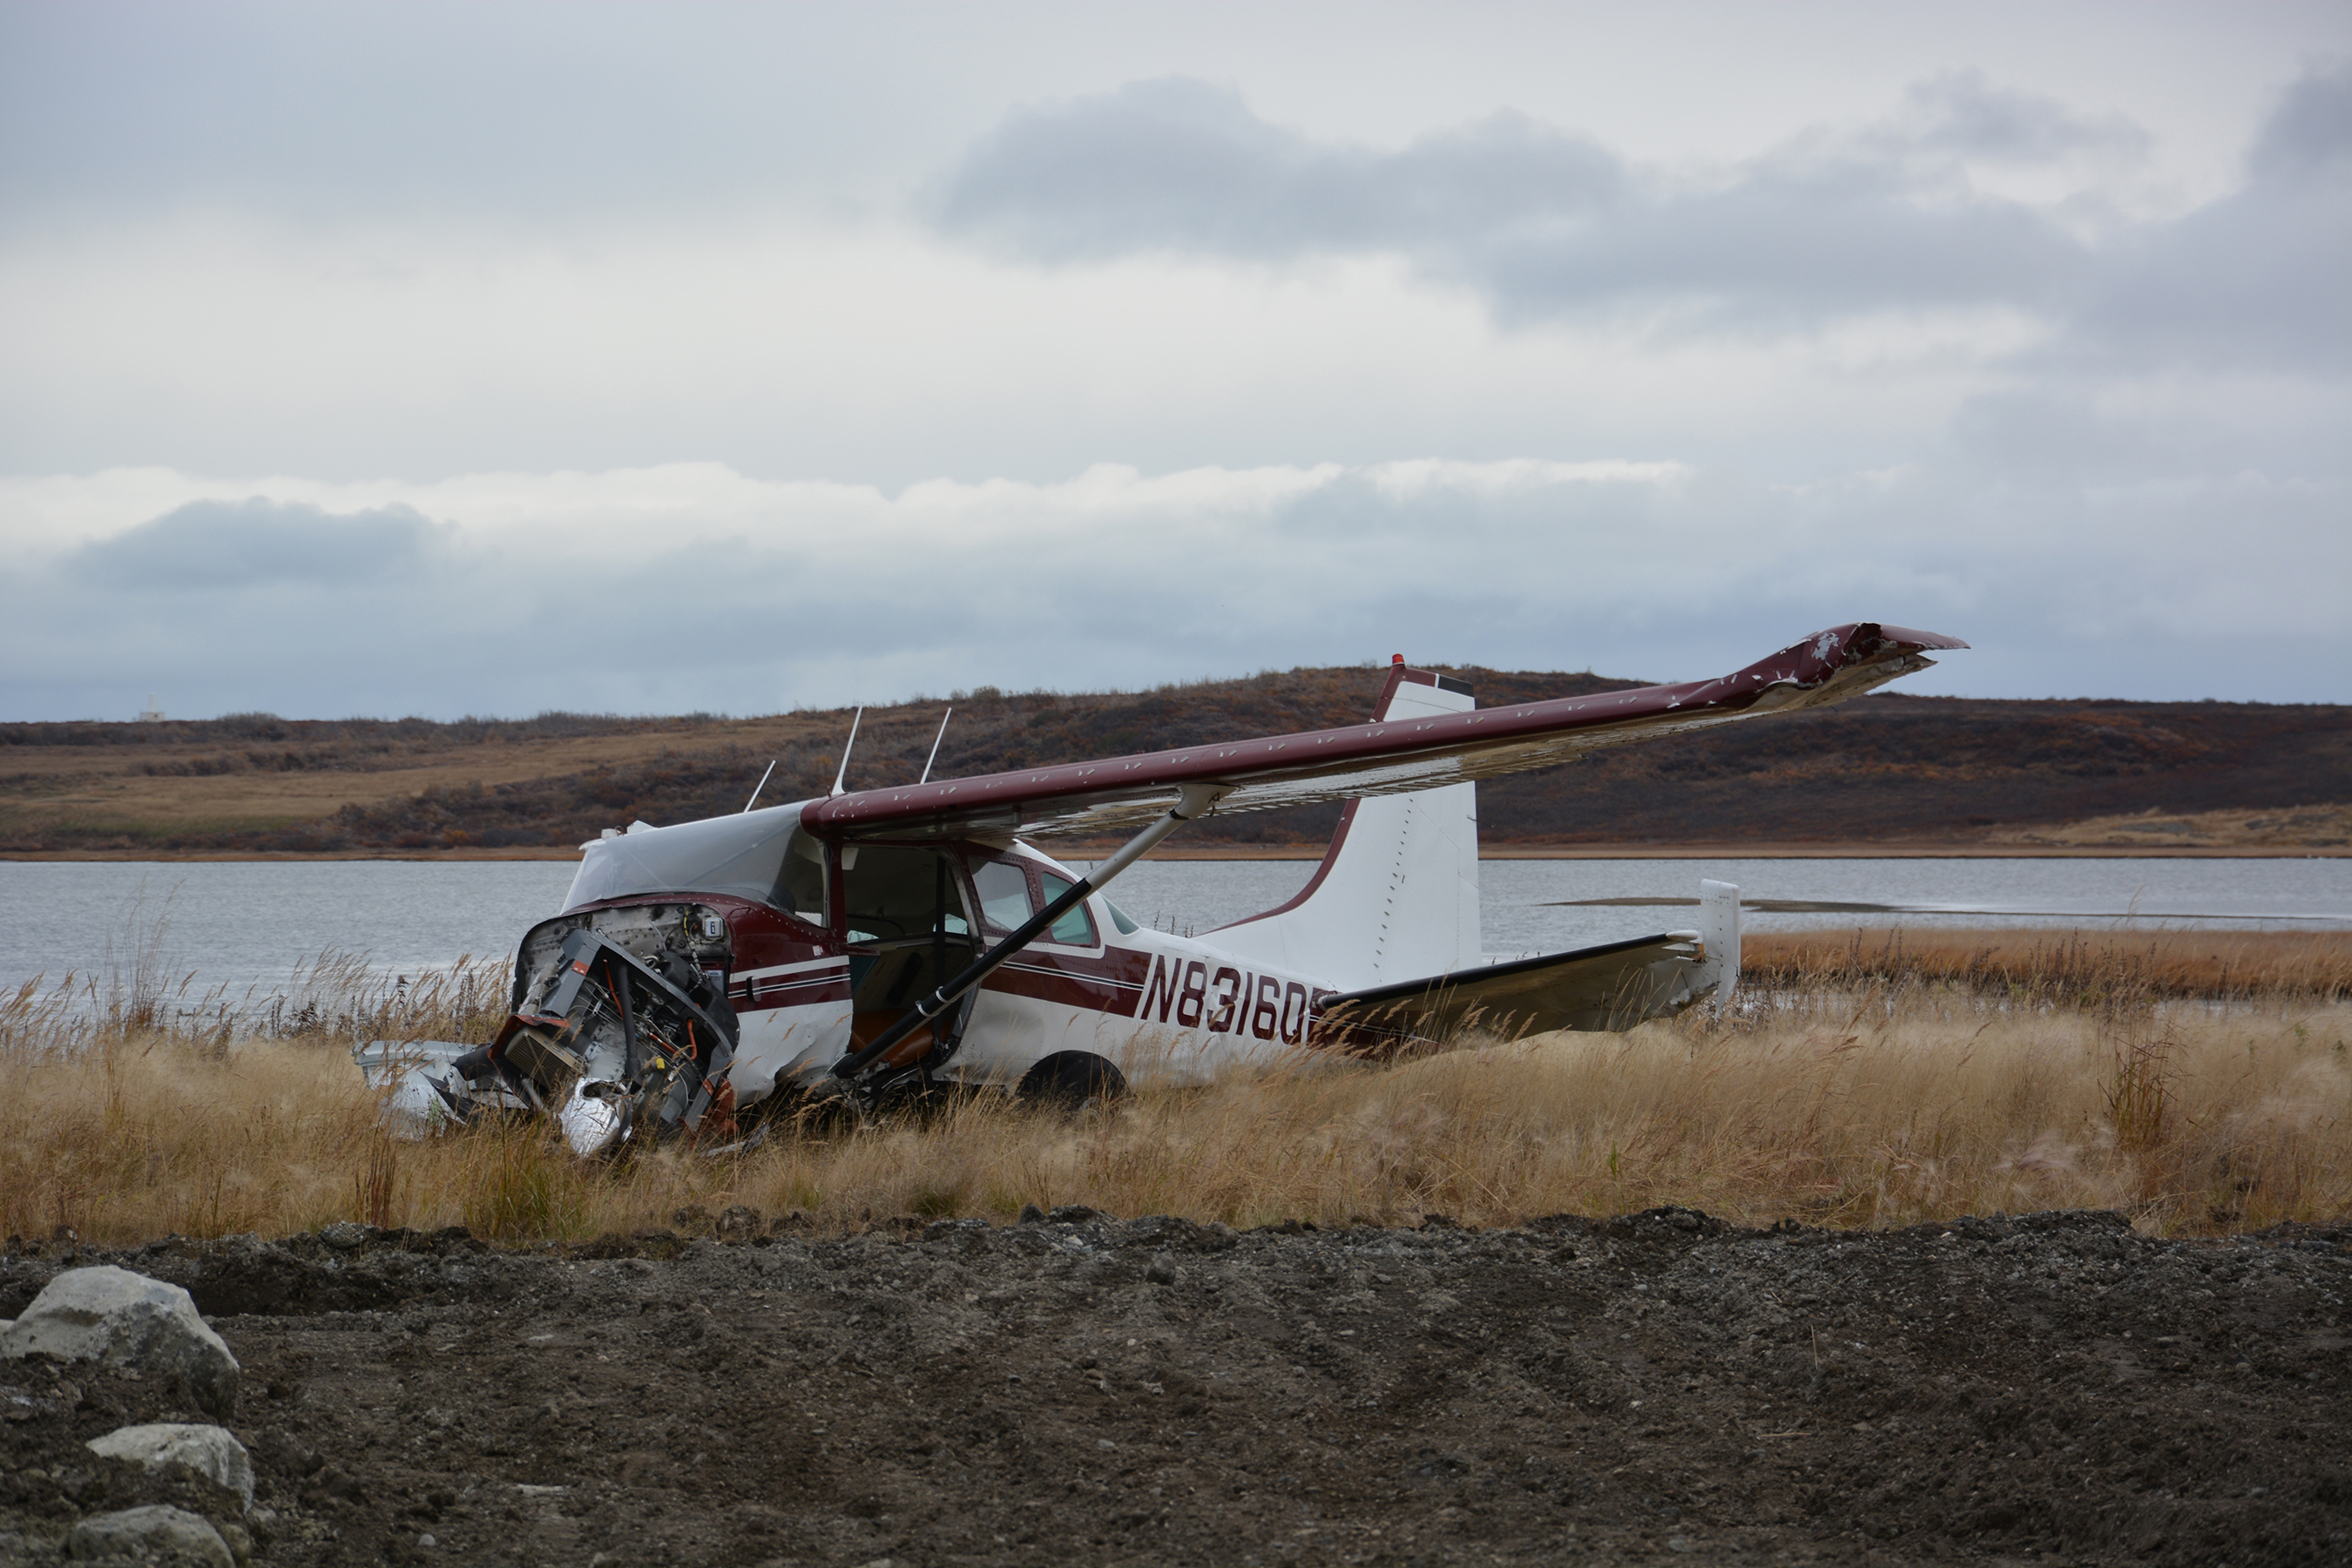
x=1076 y=1389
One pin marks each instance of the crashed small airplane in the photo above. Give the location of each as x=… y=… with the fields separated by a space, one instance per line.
x=862 y=945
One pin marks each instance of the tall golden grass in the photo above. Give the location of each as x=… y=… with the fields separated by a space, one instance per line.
x=1849 y=1094
x=2057 y=965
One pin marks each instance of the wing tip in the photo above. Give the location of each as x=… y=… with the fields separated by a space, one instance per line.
x=1906 y=639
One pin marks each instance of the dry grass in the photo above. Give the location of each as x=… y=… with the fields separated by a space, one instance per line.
x=1872 y=1104
x=2057 y=966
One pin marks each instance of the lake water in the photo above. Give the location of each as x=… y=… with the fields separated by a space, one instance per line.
x=238 y=925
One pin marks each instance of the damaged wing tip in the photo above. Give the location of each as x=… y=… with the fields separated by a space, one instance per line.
x=1908 y=638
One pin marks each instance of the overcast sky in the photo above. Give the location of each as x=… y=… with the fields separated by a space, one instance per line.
x=493 y=358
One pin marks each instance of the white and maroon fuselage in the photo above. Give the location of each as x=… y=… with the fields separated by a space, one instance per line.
x=1156 y=1005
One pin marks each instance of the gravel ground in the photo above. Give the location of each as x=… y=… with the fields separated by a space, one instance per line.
x=1079 y=1389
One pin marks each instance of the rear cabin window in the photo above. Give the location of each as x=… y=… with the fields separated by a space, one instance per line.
x=1003 y=889
x=1076 y=928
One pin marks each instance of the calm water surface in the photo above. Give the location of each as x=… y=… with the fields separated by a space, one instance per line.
x=240 y=925
x=1520 y=901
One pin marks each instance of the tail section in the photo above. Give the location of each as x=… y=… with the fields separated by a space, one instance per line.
x=1396 y=897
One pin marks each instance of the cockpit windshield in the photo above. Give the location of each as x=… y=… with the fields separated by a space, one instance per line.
x=758 y=855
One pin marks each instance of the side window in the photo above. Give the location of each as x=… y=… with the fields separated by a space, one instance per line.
x=801 y=886
x=1076 y=928
x=1003 y=891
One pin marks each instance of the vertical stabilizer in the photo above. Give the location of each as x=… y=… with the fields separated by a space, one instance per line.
x=1396 y=897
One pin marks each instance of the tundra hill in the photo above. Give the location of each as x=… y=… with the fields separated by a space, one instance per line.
x=1886 y=769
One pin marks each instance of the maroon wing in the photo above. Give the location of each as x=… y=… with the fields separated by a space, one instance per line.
x=1119 y=793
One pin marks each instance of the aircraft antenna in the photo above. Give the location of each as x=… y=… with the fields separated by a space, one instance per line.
x=845 y=748
x=935 y=746
x=761 y=785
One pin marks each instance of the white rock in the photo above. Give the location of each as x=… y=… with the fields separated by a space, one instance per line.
x=152 y=1532
x=126 y=1320
x=211 y=1451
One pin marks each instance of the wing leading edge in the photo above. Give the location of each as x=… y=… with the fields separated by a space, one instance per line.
x=1122 y=794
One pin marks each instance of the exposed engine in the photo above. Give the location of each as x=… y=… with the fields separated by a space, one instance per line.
x=620 y=1026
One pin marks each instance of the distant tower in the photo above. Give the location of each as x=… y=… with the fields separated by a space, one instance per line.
x=150 y=714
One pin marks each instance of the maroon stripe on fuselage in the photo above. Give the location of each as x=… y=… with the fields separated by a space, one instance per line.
x=765 y=996
x=1111 y=982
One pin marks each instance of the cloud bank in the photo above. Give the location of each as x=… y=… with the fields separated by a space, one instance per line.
x=1915 y=212
x=693 y=588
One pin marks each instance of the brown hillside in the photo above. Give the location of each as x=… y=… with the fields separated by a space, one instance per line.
x=1884 y=769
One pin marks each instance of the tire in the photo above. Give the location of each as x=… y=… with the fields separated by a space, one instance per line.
x=1073 y=1081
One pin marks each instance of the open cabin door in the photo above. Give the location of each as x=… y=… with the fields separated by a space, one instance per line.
x=909 y=928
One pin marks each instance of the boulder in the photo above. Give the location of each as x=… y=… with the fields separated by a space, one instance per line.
x=156 y=1534
x=126 y=1320
x=210 y=1451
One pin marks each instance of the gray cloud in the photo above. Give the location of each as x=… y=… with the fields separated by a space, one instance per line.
x=1547 y=224
x=224 y=544
x=2255 y=279
x=2310 y=132
x=2065 y=587
x=1965 y=113
x=1180 y=164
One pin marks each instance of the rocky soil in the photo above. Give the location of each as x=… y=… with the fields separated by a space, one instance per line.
x=1078 y=1389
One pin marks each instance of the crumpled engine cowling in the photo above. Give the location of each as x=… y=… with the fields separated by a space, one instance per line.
x=619 y=1048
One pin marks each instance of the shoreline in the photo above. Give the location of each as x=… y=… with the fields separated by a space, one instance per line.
x=1094 y=849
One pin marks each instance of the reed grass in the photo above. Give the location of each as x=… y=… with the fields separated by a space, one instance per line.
x=1874 y=1090
x=2056 y=965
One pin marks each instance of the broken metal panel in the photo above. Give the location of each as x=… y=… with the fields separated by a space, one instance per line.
x=622 y=1031
x=417 y=1083
x=626 y=1050
x=1611 y=987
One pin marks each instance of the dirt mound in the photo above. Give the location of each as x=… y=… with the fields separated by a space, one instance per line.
x=1084 y=1389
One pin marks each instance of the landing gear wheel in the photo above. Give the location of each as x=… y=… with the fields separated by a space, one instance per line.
x=1073 y=1081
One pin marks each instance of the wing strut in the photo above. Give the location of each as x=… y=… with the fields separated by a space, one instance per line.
x=1196 y=801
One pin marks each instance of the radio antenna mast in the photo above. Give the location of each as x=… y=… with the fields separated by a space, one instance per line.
x=761 y=785
x=847 y=746
x=935 y=746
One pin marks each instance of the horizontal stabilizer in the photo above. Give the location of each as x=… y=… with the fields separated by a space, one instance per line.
x=1611 y=987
